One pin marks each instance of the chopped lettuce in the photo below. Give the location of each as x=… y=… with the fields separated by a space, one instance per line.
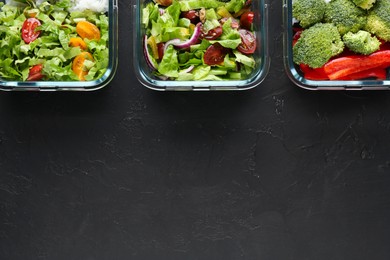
x=189 y=63
x=51 y=48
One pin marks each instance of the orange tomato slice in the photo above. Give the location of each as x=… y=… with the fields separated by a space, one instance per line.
x=78 y=66
x=77 y=42
x=88 y=30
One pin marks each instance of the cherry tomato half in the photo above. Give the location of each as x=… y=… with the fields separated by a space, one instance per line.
x=212 y=34
x=78 y=64
x=35 y=73
x=160 y=50
x=192 y=15
x=88 y=30
x=29 y=32
x=248 y=42
x=246 y=20
x=214 y=54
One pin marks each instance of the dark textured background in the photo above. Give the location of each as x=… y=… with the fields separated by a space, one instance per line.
x=274 y=173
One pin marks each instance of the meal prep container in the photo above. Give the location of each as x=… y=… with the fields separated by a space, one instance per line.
x=145 y=76
x=76 y=85
x=296 y=76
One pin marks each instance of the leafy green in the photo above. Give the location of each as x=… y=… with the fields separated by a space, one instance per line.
x=51 y=48
x=189 y=63
x=169 y=65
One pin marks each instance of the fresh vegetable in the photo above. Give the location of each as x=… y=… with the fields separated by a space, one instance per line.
x=345 y=66
x=41 y=41
x=345 y=15
x=317 y=44
x=88 y=30
x=215 y=54
x=186 y=44
x=248 y=42
x=149 y=60
x=361 y=50
x=308 y=12
x=82 y=64
x=192 y=15
x=35 y=73
x=378 y=20
x=199 y=39
x=364 y=4
x=29 y=29
x=376 y=73
x=246 y=20
x=320 y=74
x=78 y=42
x=361 y=42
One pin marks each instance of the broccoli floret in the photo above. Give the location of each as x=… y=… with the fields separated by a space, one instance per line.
x=345 y=15
x=364 y=4
x=378 y=20
x=308 y=12
x=317 y=45
x=361 y=42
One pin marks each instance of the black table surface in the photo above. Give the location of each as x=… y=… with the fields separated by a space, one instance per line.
x=273 y=173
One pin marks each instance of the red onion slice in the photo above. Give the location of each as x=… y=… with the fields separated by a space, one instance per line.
x=182 y=45
x=189 y=69
x=161 y=11
x=147 y=54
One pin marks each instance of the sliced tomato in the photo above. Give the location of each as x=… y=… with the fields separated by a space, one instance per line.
x=192 y=15
x=248 y=42
x=160 y=50
x=35 y=73
x=78 y=42
x=78 y=64
x=29 y=32
x=215 y=54
x=88 y=30
x=212 y=34
x=246 y=20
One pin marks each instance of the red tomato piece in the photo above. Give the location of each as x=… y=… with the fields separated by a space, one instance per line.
x=192 y=15
x=248 y=42
x=246 y=20
x=35 y=73
x=29 y=32
x=160 y=50
x=215 y=54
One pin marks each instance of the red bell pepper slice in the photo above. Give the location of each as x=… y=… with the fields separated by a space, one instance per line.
x=313 y=74
x=345 y=66
x=377 y=73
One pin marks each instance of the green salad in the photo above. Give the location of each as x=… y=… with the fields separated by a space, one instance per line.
x=199 y=39
x=47 y=42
